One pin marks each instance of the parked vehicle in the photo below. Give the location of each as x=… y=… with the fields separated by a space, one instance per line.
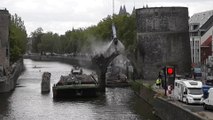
x=208 y=84
x=208 y=102
x=188 y=91
x=197 y=73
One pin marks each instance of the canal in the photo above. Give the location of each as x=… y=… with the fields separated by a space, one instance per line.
x=27 y=102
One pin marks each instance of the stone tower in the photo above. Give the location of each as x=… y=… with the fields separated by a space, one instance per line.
x=163 y=39
x=4 y=42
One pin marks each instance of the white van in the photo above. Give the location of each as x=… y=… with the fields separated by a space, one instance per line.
x=188 y=91
x=208 y=102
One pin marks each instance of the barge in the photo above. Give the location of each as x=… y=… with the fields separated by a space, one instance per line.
x=76 y=85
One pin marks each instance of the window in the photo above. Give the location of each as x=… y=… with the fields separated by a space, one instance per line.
x=195 y=91
x=195 y=27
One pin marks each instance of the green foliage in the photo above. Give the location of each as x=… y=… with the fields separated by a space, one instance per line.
x=36 y=35
x=49 y=42
x=78 y=40
x=15 y=54
x=17 y=37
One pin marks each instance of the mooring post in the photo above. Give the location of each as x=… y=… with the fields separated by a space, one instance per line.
x=45 y=83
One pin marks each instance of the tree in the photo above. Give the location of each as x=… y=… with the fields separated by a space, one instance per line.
x=49 y=43
x=78 y=40
x=36 y=36
x=17 y=37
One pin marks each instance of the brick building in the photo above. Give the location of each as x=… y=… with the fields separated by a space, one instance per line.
x=201 y=28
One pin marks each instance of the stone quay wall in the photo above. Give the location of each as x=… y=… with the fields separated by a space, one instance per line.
x=8 y=83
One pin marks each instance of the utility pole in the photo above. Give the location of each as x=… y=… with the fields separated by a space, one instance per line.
x=169 y=72
x=113 y=8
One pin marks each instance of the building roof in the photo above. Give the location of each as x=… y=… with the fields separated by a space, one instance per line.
x=208 y=24
x=200 y=18
x=3 y=10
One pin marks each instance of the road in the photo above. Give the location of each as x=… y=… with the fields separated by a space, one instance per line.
x=198 y=109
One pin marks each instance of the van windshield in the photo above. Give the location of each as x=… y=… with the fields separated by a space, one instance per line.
x=195 y=91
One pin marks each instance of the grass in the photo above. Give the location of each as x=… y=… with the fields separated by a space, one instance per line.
x=136 y=85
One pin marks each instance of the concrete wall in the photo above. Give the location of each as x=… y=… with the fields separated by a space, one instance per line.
x=163 y=39
x=163 y=108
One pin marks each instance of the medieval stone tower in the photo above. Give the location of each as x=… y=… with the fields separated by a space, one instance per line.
x=4 y=42
x=163 y=39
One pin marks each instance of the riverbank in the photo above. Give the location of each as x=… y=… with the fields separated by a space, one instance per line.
x=83 y=61
x=8 y=83
x=164 y=108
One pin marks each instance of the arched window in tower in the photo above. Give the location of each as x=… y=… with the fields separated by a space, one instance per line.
x=7 y=52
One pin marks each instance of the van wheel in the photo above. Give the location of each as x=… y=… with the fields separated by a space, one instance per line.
x=187 y=102
x=205 y=106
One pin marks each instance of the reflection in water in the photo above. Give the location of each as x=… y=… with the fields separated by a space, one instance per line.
x=27 y=102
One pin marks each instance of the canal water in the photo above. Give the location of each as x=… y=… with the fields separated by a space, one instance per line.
x=27 y=102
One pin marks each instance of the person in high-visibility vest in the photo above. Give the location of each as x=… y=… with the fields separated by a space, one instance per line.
x=158 y=82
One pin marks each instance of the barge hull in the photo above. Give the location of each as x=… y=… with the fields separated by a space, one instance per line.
x=74 y=92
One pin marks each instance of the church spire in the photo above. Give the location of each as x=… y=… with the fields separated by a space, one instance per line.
x=133 y=10
x=122 y=10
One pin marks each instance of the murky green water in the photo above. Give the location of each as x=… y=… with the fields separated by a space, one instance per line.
x=27 y=102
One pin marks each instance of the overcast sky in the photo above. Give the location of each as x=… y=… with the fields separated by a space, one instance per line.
x=59 y=16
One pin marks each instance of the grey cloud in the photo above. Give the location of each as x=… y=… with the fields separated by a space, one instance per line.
x=65 y=14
